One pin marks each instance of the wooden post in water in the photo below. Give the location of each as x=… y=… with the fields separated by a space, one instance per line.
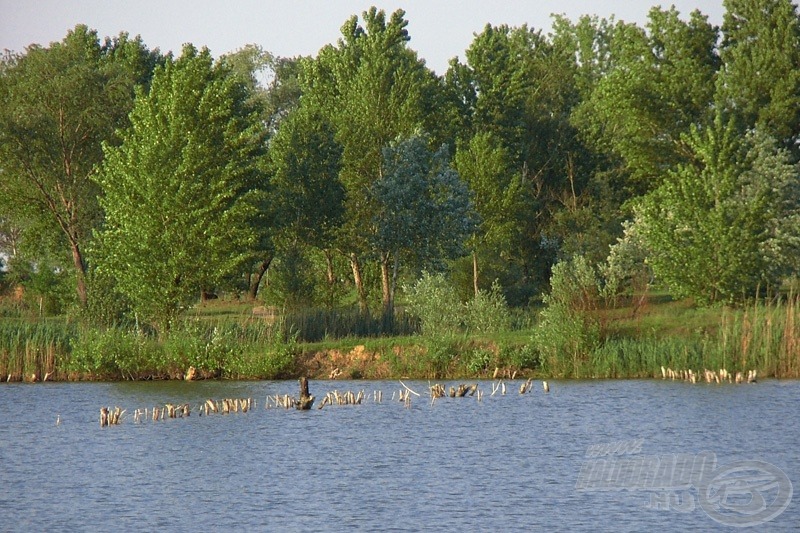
x=306 y=400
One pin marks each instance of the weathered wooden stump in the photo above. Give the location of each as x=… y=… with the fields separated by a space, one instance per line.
x=305 y=401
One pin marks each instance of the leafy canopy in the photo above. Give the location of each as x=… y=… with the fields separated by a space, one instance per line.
x=182 y=190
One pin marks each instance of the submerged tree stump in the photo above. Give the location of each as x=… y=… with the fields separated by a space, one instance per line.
x=305 y=401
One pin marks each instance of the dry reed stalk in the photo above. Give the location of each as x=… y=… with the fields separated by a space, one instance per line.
x=408 y=389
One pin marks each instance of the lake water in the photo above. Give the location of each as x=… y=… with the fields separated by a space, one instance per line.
x=506 y=462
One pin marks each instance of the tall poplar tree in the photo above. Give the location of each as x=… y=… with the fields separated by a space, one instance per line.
x=372 y=88
x=183 y=189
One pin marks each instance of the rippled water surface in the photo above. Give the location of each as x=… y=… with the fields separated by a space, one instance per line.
x=505 y=462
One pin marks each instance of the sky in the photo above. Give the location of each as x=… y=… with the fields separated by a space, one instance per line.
x=439 y=29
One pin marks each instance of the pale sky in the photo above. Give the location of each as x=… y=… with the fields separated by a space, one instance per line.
x=439 y=30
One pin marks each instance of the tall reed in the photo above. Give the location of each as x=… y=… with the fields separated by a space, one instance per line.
x=763 y=336
x=39 y=349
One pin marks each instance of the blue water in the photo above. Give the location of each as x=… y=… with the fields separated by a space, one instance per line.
x=507 y=461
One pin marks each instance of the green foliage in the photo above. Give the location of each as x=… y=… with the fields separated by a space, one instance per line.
x=487 y=312
x=435 y=302
x=760 y=81
x=657 y=83
x=567 y=334
x=49 y=290
x=626 y=269
x=519 y=356
x=57 y=106
x=114 y=354
x=423 y=211
x=209 y=169
x=106 y=305
x=307 y=196
x=291 y=281
x=223 y=350
x=479 y=360
x=373 y=89
x=182 y=191
x=498 y=196
x=708 y=225
x=517 y=148
x=440 y=352
x=497 y=190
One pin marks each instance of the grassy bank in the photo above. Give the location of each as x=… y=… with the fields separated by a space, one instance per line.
x=230 y=343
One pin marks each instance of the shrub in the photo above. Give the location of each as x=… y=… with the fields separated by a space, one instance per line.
x=488 y=312
x=567 y=334
x=435 y=302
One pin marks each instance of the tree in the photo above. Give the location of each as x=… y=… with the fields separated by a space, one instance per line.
x=372 y=88
x=57 y=106
x=307 y=198
x=274 y=92
x=183 y=189
x=520 y=88
x=423 y=211
x=657 y=83
x=712 y=227
x=760 y=78
x=497 y=193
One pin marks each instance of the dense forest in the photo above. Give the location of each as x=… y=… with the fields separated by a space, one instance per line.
x=135 y=183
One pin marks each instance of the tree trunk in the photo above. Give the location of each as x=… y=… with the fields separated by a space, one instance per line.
x=475 y=272
x=80 y=270
x=255 y=279
x=395 y=268
x=359 y=282
x=386 y=284
x=305 y=401
x=329 y=274
x=330 y=279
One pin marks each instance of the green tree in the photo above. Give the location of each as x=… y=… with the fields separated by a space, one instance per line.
x=183 y=189
x=57 y=106
x=497 y=192
x=567 y=332
x=307 y=198
x=274 y=92
x=520 y=87
x=423 y=211
x=657 y=83
x=712 y=226
x=373 y=89
x=760 y=81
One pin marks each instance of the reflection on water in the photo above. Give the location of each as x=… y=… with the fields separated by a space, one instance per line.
x=506 y=461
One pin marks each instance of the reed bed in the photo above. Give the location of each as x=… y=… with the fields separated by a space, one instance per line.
x=764 y=336
x=34 y=351
x=313 y=325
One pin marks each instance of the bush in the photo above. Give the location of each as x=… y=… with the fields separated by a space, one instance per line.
x=488 y=312
x=435 y=302
x=567 y=334
x=115 y=354
x=524 y=356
